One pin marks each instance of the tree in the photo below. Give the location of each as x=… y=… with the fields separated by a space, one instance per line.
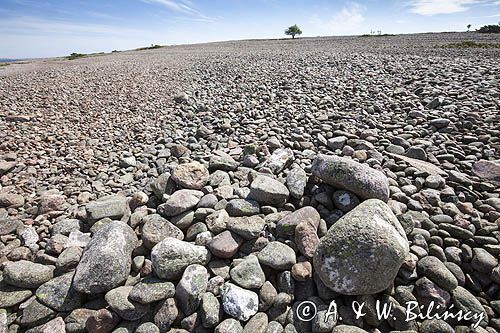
x=293 y=30
x=468 y=27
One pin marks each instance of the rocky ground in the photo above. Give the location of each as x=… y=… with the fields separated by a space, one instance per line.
x=216 y=187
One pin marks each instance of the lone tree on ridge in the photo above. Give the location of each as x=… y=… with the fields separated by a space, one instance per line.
x=468 y=27
x=293 y=30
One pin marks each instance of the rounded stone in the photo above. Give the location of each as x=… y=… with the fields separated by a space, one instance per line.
x=363 y=251
x=192 y=175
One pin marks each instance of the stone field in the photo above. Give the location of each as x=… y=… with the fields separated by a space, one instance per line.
x=217 y=187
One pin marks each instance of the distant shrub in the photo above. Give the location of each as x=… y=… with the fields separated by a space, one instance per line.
x=472 y=44
x=489 y=29
x=152 y=47
x=373 y=35
x=74 y=55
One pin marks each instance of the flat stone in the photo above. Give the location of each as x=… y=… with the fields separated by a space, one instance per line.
x=242 y=207
x=113 y=207
x=248 y=227
x=346 y=174
x=152 y=290
x=27 y=274
x=10 y=295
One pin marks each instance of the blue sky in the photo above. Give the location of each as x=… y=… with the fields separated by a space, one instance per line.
x=43 y=28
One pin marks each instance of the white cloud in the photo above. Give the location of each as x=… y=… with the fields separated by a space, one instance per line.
x=39 y=26
x=347 y=21
x=184 y=7
x=434 y=7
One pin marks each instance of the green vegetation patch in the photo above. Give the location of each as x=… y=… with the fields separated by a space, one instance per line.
x=74 y=55
x=152 y=47
x=471 y=44
x=373 y=35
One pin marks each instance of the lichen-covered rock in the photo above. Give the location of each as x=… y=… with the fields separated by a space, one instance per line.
x=346 y=174
x=171 y=256
x=27 y=274
x=192 y=175
x=106 y=262
x=363 y=251
x=238 y=302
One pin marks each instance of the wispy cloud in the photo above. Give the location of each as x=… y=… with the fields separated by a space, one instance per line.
x=434 y=7
x=184 y=7
x=39 y=26
x=346 y=21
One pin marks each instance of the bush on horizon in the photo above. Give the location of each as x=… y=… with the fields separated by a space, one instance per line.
x=489 y=29
x=75 y=55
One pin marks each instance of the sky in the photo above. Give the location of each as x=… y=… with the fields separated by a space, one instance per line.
x=46 y=28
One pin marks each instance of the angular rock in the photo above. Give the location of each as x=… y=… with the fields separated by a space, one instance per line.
x=296 y=182
x=106 y=262
x=248 y=273
x=156 y=228
x=278 y=160
x=225 y=244
x=239 y=303
x=119 y=301
x=286 y=226
x=363 y=251
x=191 y=288
x=346 y=174
x=59 y=294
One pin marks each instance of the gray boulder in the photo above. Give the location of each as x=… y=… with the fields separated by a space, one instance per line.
x=171 y=256
x=238 y=302
x=191 y=288
x=113 y=207
x=27 y=274
x=59 y=294
x=268 y=191
x=119 y=301
x=363 y=251
x=105 y=264
x=346 y=174
x=156 y=228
